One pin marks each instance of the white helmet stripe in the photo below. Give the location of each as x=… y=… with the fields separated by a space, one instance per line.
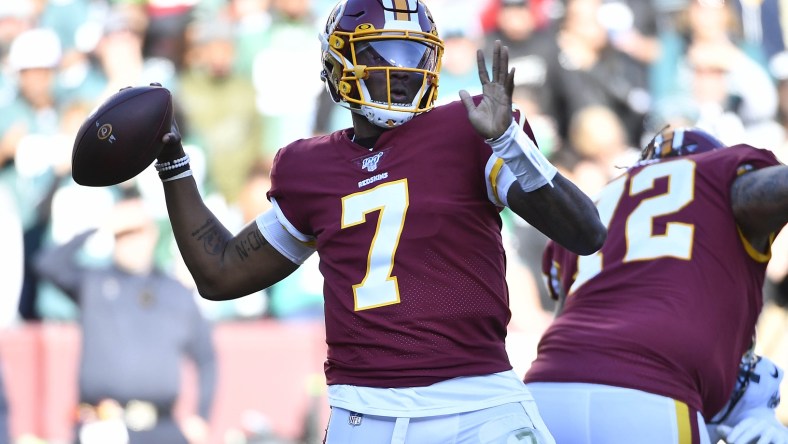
x=678 y=138
x=408 y=5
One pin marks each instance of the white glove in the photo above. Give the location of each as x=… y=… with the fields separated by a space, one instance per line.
x=760 y=429
x=749 y=416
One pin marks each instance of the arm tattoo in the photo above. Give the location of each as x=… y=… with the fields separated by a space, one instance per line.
x=213 y=237
x=254 y=241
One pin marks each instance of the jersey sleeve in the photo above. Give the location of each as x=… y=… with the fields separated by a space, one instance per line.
x=283 y=169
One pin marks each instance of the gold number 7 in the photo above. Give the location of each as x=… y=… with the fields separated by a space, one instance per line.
x=379 y=287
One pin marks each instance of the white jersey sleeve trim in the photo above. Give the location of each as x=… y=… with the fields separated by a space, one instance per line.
x=279 y=237
x=288 y=226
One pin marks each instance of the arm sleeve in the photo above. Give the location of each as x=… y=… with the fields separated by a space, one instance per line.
x=60 y=266
x=283 y=236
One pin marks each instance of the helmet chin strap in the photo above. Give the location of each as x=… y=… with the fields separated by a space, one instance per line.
x=385 y=118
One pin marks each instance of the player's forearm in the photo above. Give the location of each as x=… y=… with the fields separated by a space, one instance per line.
x=200 y=237
x=541 y=196
x=563 y=213
x=223 y=266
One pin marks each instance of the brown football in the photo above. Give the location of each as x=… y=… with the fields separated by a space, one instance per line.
x=122 y=136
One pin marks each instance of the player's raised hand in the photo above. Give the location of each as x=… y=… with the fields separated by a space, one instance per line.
x=492 y=116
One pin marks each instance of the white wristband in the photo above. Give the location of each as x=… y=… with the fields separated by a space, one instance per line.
x=186 y=173
x=522 y=156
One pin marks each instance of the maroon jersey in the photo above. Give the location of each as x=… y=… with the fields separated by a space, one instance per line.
x=410 y=250
x=669 y=304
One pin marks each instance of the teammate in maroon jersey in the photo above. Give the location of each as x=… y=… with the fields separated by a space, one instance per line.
x=403 y=210
x=651 y=330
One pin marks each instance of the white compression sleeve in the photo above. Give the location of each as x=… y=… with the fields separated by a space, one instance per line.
x=523 y=158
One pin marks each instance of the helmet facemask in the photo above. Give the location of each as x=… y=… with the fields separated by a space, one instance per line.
x=386 y=75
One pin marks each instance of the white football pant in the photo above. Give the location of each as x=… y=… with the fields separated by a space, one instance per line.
x=513 y=423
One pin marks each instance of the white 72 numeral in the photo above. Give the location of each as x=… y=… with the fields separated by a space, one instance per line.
x=379 y=287
x=642 y=243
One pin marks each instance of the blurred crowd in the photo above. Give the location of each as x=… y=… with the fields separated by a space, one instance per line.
x=597 y=79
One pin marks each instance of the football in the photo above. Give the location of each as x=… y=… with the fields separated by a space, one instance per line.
x=122 y=136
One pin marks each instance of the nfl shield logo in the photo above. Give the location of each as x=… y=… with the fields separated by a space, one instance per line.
x=355 y=419
x=371 y=163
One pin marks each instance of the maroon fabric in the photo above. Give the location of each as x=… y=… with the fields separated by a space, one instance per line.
x=449 y=262
x=669 y=326
x=364 y=12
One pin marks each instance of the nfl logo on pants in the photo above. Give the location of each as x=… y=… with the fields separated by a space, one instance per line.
x=355 y=419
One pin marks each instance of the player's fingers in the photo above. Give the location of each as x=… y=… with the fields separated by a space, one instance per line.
x=742 y=433
x=735 y=432
x=779 y=436
x=503 y=62
x=496 y=62
x=510 y=83
x=467 y=100
x=724 y=431
x=768 y=437
x=484 y=77
x=170 y=138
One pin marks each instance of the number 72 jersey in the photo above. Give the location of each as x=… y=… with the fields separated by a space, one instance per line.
x=669 y=304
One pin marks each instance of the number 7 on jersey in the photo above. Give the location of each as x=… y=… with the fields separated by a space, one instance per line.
x=378 y=287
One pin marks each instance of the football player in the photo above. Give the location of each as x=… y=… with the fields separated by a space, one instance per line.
x=403 y=211
x=651 y=329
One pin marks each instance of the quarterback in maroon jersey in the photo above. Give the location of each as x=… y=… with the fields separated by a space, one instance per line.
x=403 y=211
x=652 y=327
